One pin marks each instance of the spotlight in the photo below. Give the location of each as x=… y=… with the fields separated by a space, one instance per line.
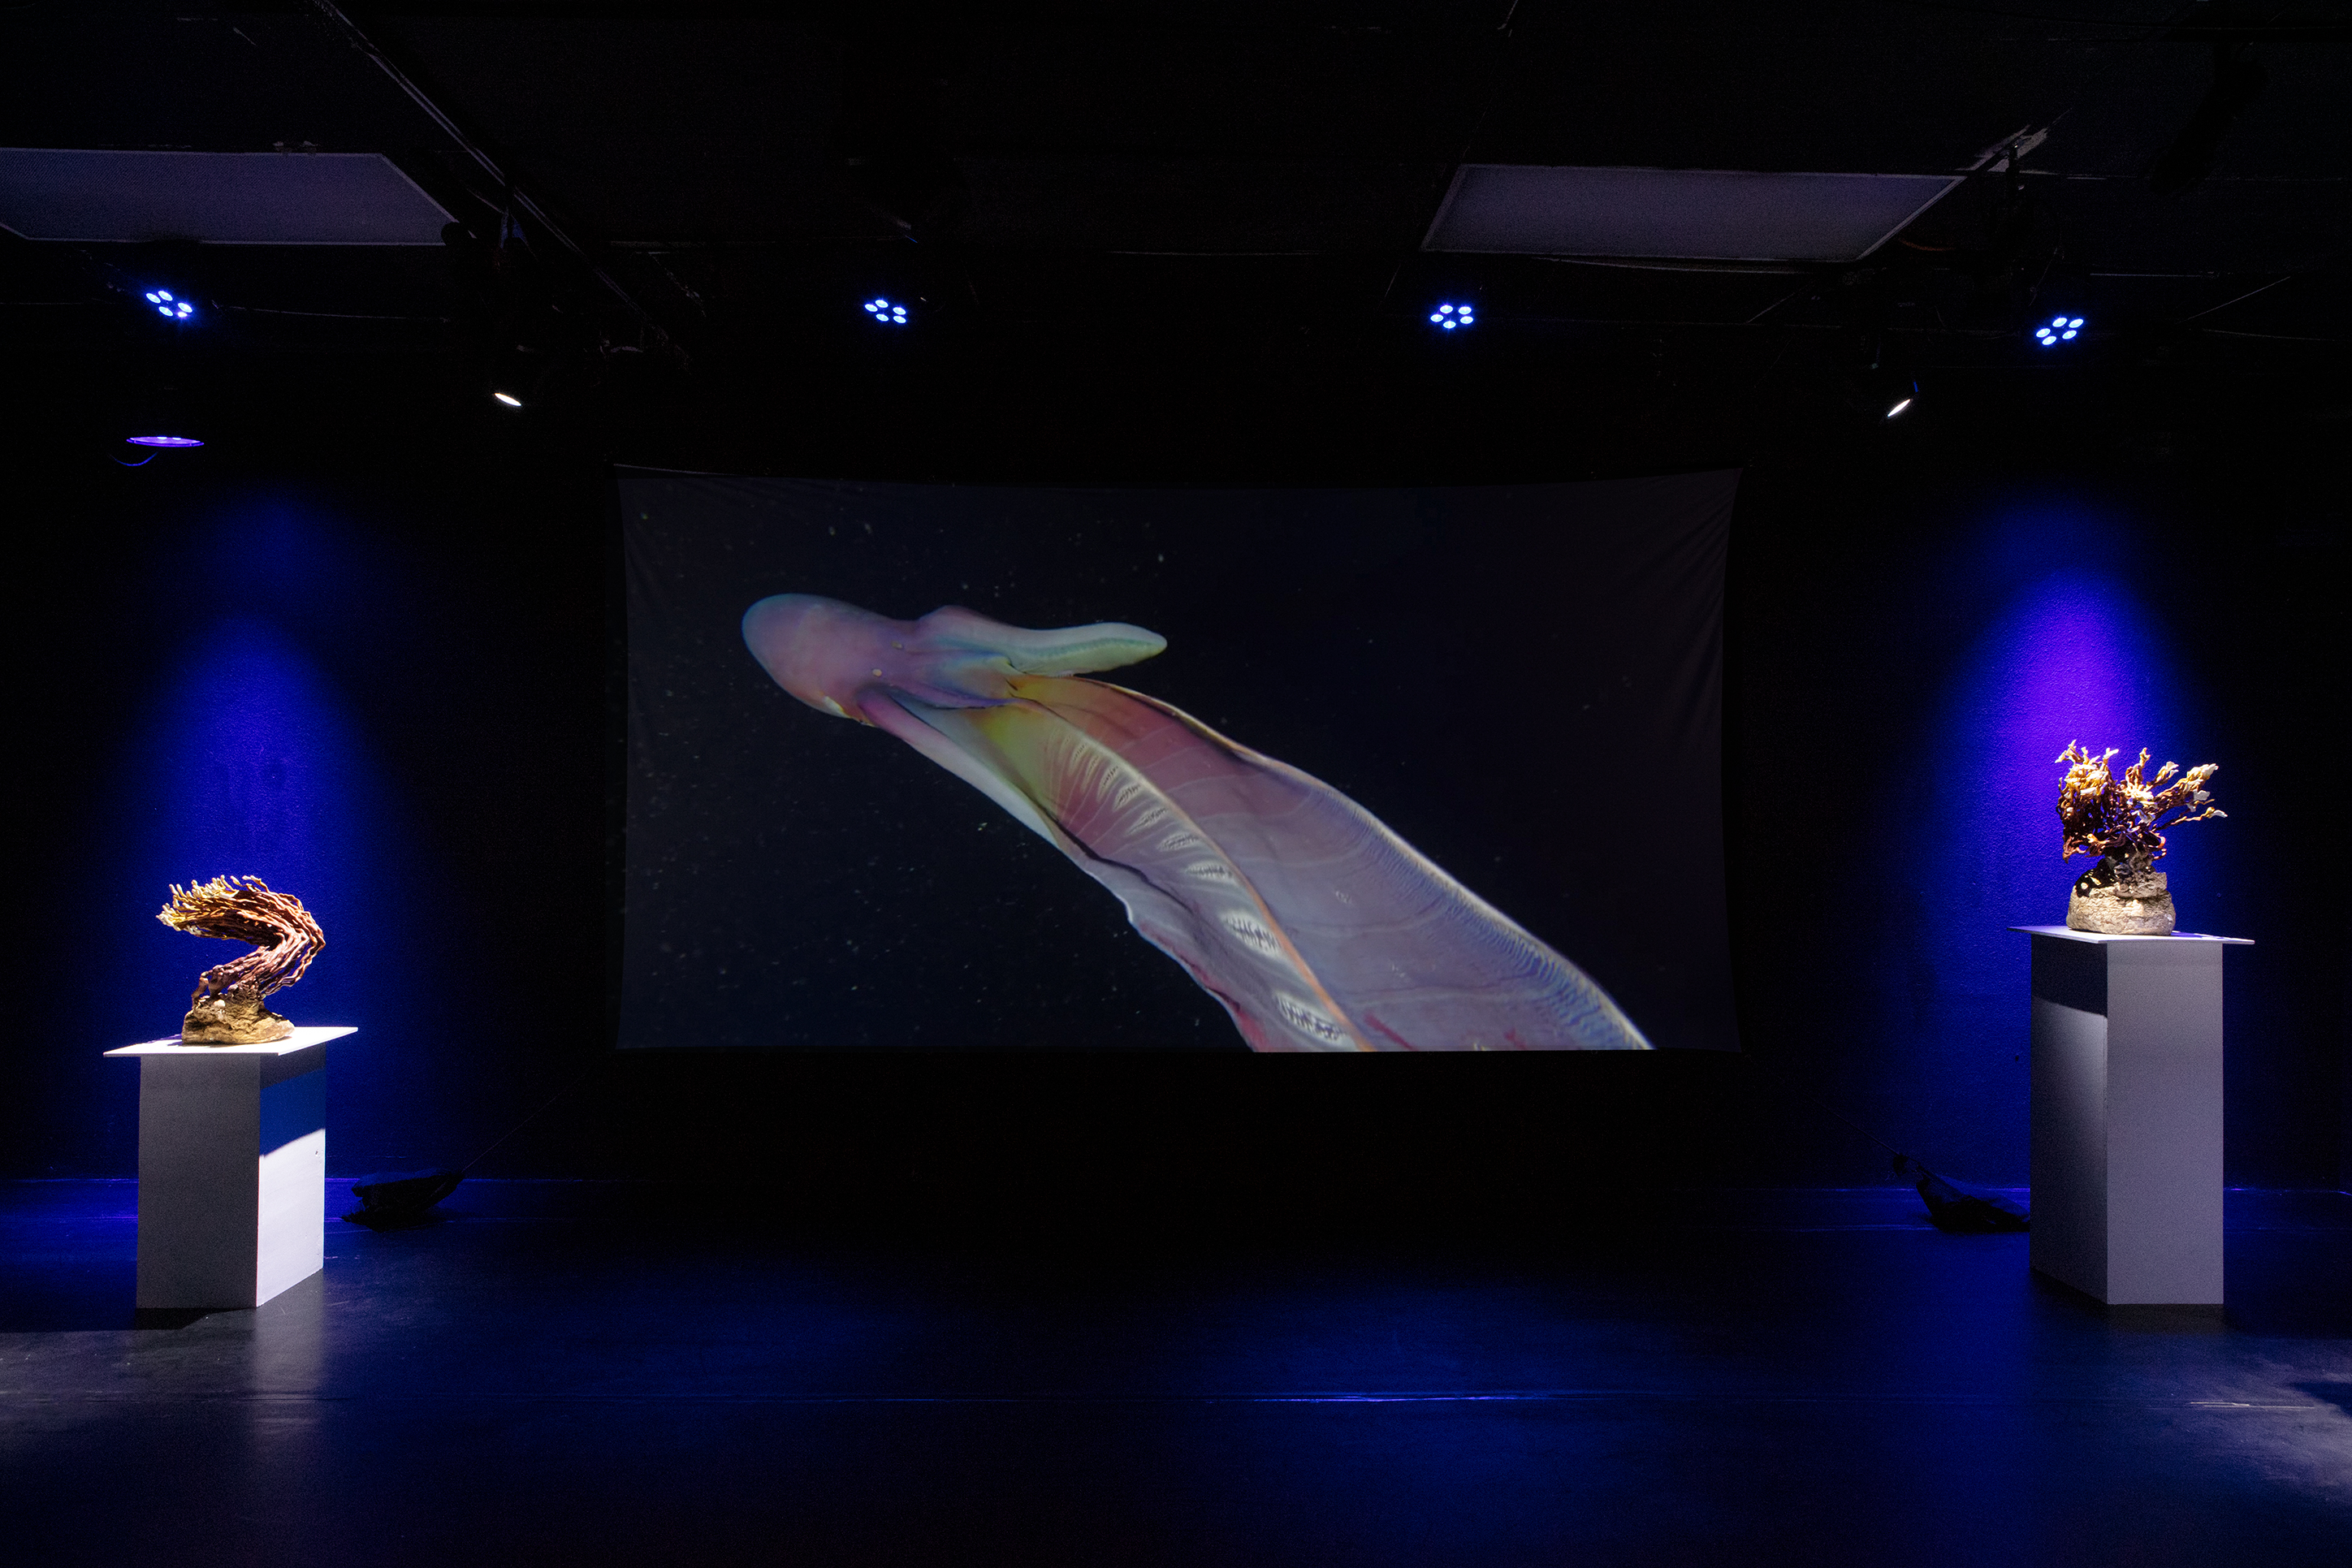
x=887 y=312
x=507 y=398
x=169 y=306
x=168 y=440
x=2059 y=329
x=1878 y=396
x=1451 y=317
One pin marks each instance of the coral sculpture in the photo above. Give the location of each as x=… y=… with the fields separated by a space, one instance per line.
x=228 y=1002
x=2122 y=820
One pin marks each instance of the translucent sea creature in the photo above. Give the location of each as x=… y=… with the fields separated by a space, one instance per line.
x=1316 y=926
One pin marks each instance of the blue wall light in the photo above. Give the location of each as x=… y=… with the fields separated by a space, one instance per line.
x=169 y=306
x=889 y=312
x=2048 y=632
x=1452 y=318
x=2060 y=329
x=255 y=747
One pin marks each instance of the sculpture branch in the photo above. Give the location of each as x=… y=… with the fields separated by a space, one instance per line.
x=2122 y=820
x=2125 y=818
x=227 y=1001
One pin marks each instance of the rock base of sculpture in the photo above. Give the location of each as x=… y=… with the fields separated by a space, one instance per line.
x=2120 y=898
x=235 y=1018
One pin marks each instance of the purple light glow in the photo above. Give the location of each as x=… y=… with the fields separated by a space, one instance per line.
x=2072 y=655
x=248 y=753
x=2041 y=635
x=174 y=440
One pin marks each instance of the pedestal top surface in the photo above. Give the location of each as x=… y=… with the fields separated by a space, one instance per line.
x=2071 y=934
x=302 y=1039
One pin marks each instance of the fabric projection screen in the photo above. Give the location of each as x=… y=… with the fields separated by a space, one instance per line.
x=1430 y=769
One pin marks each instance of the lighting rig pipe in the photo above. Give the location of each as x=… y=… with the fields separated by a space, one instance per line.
x=520 y=198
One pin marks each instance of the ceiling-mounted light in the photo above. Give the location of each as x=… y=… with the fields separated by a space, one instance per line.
x=507 y=398
x=1881 y=392
x=1451 y=318
x=2060 y=329
x=169 y=306
x=889 y=312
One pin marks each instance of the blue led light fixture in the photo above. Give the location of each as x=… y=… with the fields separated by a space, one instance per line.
x=2059 y=329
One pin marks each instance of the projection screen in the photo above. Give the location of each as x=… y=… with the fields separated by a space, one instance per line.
x=959 y=767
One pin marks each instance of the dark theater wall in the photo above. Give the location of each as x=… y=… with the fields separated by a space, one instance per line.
x=381 y=683
x=1910 y=648
x=375 y=682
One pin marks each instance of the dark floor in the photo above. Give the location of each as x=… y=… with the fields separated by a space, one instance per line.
x=584 y=1374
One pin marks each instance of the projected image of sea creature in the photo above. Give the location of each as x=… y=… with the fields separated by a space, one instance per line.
x=227 y=1007
x=1317 y=927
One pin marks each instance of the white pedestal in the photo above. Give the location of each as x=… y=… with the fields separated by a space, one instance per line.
x=232 y=1168
x=2128 y=1114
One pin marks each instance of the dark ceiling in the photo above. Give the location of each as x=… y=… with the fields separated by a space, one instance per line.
x=667 y=214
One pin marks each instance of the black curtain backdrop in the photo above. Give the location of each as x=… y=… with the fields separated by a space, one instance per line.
x=451 y=596
x=1525 y=682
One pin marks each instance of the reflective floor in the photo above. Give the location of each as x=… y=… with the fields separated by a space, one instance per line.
x=588 y=1374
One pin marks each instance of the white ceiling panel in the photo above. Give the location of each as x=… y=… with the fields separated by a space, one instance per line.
x=1711 y=214
x=219 y=198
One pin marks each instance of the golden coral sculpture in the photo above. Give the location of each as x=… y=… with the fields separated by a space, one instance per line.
x=226 y=1007
x=2122 y=820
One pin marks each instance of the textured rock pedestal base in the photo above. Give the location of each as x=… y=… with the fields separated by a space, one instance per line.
x=2120 y=899
x=236 y=1017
